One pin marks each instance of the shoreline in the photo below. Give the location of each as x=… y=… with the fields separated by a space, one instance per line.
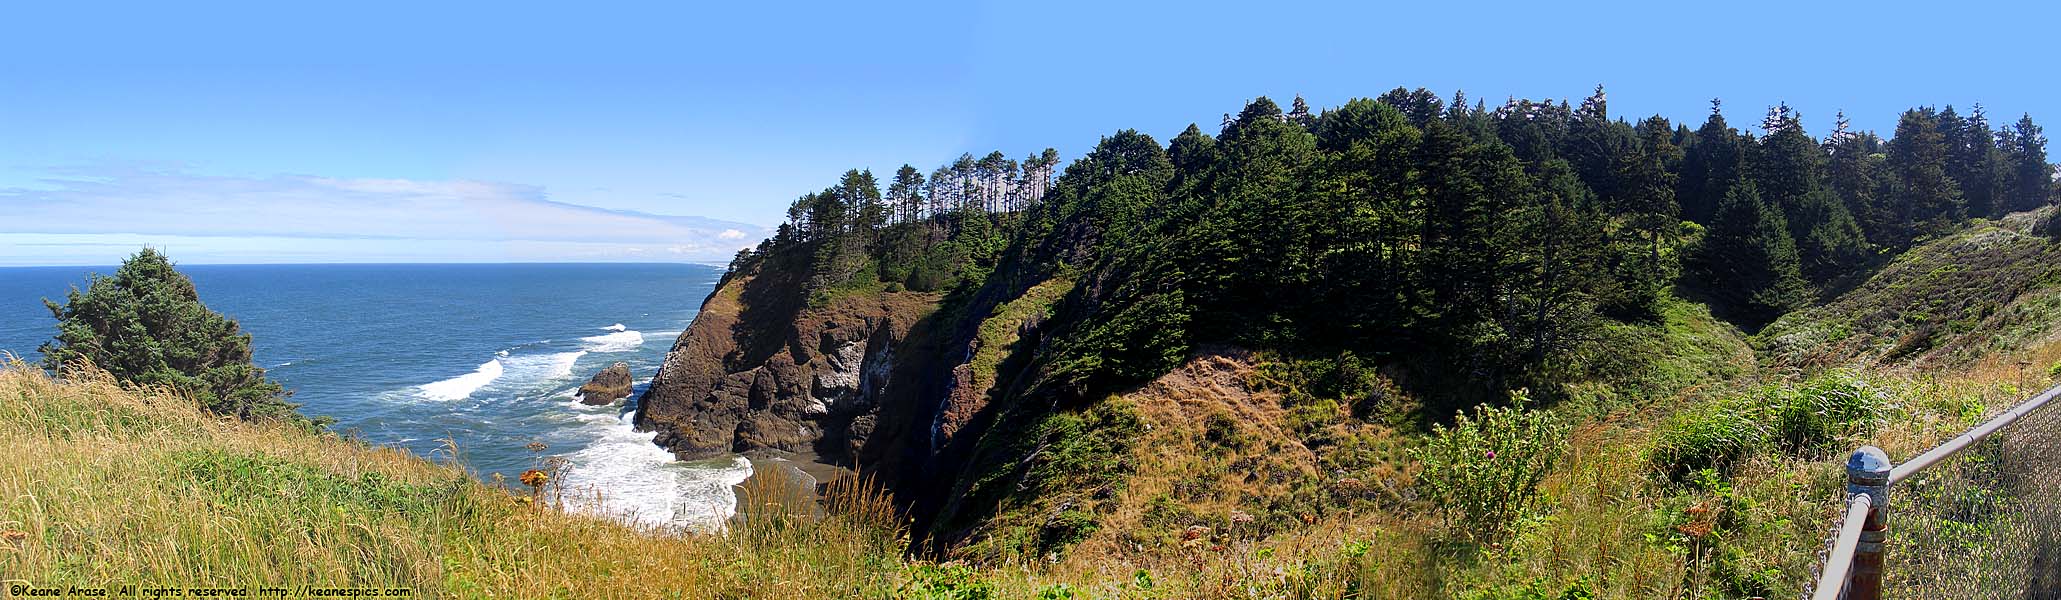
x=801 y=470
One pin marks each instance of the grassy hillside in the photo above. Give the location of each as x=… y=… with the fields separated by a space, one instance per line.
x=1675 y=463
x=1992 y=288
x=1237 y=493
x=103 y=484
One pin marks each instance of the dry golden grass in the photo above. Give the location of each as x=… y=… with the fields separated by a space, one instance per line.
x=106 y=484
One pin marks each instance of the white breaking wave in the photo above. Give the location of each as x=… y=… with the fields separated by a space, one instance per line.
x=622 y=474
x=543 y=367
x=462 y=386
x=616 y=327
x=614 y=342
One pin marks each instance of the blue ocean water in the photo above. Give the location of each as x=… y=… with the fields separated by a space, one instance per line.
x=487 y=355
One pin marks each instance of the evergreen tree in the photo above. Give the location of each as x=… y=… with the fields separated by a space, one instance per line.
x=1711 y=164
x=1645 y=201
x=966 y=180
x=1299 y=114
x=1789 y=172
x=1748 y=259
x=1923 y=198
x=1469 y=191
x=1554 y=272
x=1854 y=173
x=1974 y=161
x=1533 y=130
x=1421 y=106
x=147 y=326
x=1596 y=145
x=1369 y=192
x=905 y=195
x=2029 y=179
x=1256 y=238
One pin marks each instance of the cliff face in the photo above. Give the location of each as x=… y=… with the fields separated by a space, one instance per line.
x=902 y=386
x=751 y=376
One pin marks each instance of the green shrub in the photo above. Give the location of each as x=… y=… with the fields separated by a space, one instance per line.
x=1486 y=468
x=1222 y=432
x=1579 y=589
x=1813 y=416
x=1714 y=436
x=944 y=582
x=1069 y=527
x=1824 y=410
x=1307 y=419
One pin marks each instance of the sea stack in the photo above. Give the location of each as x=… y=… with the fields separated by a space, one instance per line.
x=608 y=386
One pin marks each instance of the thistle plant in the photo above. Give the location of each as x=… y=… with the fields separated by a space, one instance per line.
x=1484 y=470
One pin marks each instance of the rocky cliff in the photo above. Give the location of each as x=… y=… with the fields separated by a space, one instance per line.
x=899 y=385
x=751 y=376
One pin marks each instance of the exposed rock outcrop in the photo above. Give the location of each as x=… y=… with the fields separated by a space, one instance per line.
x=752 y=375
x=902 y=386
x=611 y=384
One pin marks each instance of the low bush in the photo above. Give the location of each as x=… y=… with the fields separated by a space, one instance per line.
x=944 y=582
x=1821 y=413
x=1713 y=437
x=1485 y=469
x=1824 y=410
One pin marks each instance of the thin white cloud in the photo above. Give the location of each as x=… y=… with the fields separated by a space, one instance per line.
x=87 y=205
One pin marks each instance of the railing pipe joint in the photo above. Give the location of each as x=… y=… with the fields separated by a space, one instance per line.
x=1867 y=473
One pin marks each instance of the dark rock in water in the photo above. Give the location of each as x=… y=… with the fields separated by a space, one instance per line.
x=610 y=385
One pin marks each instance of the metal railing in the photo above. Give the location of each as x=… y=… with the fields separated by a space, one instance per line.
x=1853 y=568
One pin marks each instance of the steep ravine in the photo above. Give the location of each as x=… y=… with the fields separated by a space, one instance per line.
x=896 y=385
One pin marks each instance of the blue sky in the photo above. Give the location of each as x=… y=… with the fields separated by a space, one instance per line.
x=384 y=132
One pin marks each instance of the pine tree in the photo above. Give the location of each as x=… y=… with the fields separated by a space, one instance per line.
x=1554 y=271
x=147 y=326
x=1748 y=260
x=1419 y=105
x=2030 y=179
x=1974 y=162
x=1645 y=201
x=1368 y=191
x=1854 y=173
x=1469 y=188
x=1711 y=164
x=1299 y=114
x=1262 y=219
x=905 y=195
x=1924 y=199
x=1595 y=145
x=1789 y=172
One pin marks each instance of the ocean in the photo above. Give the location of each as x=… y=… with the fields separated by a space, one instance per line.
x=486 y=355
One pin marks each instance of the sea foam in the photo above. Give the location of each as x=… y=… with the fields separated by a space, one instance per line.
x=462 y=386
x=620 y=341
x=616 y=327
x=622 y=474
x=542 y=367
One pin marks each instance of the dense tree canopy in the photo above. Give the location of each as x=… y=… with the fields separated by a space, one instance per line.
x=146 y=326
x=1493 y=242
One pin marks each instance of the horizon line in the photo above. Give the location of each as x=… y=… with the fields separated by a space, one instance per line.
x=713 y=264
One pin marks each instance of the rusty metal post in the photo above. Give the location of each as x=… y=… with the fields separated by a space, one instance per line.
x=1867 y=472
